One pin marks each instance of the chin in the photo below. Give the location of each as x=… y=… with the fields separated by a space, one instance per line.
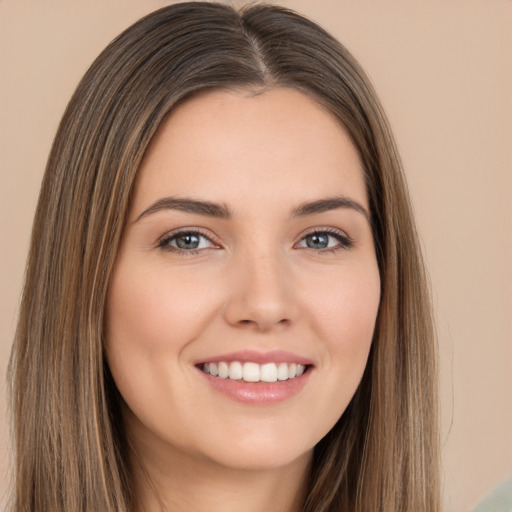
x=259 y=449
x=259 y=459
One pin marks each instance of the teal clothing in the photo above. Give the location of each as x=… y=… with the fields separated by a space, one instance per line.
x=498 y=500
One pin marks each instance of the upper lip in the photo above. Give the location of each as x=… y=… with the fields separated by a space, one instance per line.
x=254 y=356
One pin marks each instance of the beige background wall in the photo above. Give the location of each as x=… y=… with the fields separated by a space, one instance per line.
x=443 y=70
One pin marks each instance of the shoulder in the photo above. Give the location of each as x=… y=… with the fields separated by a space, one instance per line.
x=498 y=500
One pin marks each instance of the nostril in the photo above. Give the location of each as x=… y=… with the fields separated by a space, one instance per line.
x=262 y=325
x=245 y=323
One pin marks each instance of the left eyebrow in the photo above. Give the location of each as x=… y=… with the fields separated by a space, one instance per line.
x=210 y=209
x=330 y=203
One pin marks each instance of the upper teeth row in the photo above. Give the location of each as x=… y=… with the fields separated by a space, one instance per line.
x=253 y=372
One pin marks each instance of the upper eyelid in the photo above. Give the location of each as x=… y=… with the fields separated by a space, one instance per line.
x=172 y=234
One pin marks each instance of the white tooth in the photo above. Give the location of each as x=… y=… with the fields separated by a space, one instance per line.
x=214 y=369
x=235 y=370
x=251 y=372
x=282 y=371
x=223 y=370
x=206 y=368
x=268 y=372
x=292 y=370
x=300 y=369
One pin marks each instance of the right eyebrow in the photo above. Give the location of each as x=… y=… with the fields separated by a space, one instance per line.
x=187 y=205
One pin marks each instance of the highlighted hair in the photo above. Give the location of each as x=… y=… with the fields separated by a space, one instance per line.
x=70 y=450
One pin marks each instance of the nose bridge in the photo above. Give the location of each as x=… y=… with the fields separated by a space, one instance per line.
x=262 y=293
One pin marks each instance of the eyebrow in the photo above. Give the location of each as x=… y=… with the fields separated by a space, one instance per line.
x=189 y=206
x=221 y=211
x=330 y=203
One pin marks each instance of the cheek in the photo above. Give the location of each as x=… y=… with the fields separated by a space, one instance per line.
x=340 y=312
x=151 y=318
x=346 y=304
x=344 y=317
x=152 y=311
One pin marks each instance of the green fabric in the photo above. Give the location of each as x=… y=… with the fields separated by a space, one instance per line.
x=498 y=500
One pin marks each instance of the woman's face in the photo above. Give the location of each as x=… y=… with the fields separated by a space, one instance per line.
x=247 y=251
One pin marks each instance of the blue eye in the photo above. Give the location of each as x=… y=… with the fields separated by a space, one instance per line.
x=186 y=241
x=325 y=240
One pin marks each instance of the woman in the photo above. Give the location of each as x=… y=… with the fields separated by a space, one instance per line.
x=225 y=304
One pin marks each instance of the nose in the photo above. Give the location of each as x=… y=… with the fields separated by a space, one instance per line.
x=262 y=295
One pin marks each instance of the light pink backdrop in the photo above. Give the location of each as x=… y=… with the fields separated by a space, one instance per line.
x=443 y=71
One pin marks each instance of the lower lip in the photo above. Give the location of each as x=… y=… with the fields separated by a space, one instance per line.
x=258 y=393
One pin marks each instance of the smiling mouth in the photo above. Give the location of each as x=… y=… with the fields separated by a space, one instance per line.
x=254 y=372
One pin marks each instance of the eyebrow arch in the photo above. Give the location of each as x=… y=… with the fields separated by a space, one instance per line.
x=210 y=209
x=187 y=205
x=330 y=203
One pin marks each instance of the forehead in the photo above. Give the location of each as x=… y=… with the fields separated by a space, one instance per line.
x=230 y=145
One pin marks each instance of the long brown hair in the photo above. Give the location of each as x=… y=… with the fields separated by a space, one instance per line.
x=71 y=453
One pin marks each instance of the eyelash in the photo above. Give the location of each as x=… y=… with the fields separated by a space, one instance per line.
x=345 y=242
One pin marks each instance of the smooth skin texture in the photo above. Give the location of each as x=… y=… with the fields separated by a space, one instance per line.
x=260 y=280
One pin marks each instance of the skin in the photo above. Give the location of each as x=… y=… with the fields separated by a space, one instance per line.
x=255 y=282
